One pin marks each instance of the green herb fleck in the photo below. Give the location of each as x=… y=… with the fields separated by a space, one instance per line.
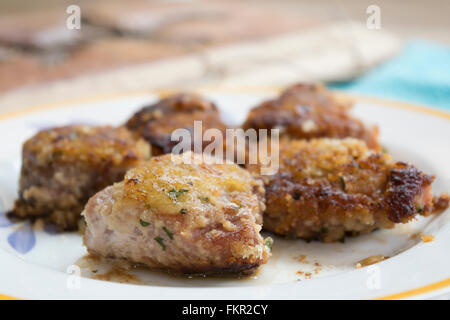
x=144 y=223
x=183 y=211
x=419 y=210
x=190 y=183
x=147 y=207
x=161 y=242
x=342 y=240
x=205 y=199
x=342 y=183
x=174 y=194
x=268 y=243
x=169 y=233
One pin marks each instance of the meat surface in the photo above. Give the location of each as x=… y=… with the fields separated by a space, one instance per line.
x=194 y=218
x=326 y=189
x=306 y=111
x=63 y=167
x=155 y=123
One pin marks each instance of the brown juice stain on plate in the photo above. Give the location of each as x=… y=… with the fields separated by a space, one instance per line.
x=108 y=269
x=118 y=270
x=117 y=274
x=308 y=275
x=370 y=260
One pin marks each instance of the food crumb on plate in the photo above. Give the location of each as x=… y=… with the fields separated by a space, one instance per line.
x=370 y=260
x=424 y=238
x=427 y=238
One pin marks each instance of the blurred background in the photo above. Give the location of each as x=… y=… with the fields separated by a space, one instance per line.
x=402 y=52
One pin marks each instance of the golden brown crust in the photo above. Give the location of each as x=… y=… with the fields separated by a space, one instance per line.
x=306 y=111
x=99 y=146
x=405 y=184
x=188 y=218
x=441 y=203
x=62 y=167
x=327 y=188
x=155 y=123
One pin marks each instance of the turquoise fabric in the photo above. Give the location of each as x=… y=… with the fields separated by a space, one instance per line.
x=419 y=74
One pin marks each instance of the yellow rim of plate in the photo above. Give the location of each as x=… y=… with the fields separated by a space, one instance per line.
x=161 y=92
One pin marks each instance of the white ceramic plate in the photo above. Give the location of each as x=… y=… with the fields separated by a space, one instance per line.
x=37 y=263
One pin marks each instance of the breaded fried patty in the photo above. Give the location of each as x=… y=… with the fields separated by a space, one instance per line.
x=187 y=218
x=155 y=123
x=327 y=188
x=306 y=111
x=63 y=167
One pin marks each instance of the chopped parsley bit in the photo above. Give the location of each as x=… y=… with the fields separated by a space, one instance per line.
x=147 y=206
x=268 y=243
x=206 y=199
x=144 y=223
x=342 y=183
x=174 y=194
x=419 y=210
x=161 y=242
x=169 y=233
x=183 y=211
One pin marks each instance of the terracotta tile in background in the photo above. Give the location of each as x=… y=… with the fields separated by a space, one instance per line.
x=140 y=18
x=211 y=22
x=113 y=52
x=116 y=34
x=44 y=31
x=25 y=69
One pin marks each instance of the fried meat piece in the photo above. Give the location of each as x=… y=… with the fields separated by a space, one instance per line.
x=306 y=111
x=63 y=167
x=155 y=123
x=194 y=218
x=328 y=188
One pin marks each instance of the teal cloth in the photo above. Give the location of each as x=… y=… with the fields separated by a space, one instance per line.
x=419 y=74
